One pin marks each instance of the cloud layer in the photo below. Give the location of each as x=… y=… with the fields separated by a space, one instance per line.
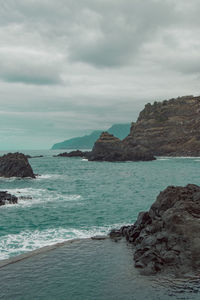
x=67 y=67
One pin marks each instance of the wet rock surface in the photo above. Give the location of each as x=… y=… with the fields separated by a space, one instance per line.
x=15 y=165
x=6 y=198
x=110 y=148
x=167 y=237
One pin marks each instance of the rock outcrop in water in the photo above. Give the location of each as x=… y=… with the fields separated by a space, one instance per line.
x=168 y=128
x=76 y=153
x=110 y=148
x=167 y=237
x=6 y=198
x=15 y=165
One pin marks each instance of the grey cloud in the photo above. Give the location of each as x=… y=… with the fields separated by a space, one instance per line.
x=30 y=67
x=68 y=67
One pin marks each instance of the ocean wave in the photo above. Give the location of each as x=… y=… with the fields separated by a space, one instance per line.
x=162 y=158
x=25 y=241
x=48 y=176
x=31 y=196
x=177 y=157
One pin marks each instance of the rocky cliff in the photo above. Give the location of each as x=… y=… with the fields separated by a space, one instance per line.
x=168 y=128
x=167 y=237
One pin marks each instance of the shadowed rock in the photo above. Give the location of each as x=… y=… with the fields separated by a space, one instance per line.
x=15 y=165
x=76 y=153
x=110 y=148
x=6 y=198
x=167 y=237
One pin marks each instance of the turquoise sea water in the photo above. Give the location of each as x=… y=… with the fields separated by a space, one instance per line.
x=74 y=198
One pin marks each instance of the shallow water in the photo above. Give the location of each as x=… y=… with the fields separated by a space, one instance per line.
x=74 y=198
x=89 y=269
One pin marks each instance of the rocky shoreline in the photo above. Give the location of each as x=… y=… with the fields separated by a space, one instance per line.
x=167 y=237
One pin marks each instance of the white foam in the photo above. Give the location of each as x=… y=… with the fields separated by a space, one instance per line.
x=15 y=244
x=49 y=176
x=84 y=159
x=177 y=157
x=39 y=196
x=162 y=158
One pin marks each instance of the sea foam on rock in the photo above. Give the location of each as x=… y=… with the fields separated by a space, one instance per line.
x=167 y=237
x=15 y=165
x=6 y=198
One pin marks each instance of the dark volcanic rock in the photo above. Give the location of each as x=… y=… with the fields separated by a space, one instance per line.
x=15 y=165
x=76 y=153
x=168 y=128
x=167 y=238
x=110 y=148
x=6 y=198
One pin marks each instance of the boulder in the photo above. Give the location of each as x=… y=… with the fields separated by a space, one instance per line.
x=6 y=198
x=167 y=237
x=15 y=165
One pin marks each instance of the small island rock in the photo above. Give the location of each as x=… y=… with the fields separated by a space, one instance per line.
x=110 y=148
x=15 y=165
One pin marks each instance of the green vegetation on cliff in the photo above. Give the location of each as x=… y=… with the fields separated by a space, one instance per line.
x=87 y=141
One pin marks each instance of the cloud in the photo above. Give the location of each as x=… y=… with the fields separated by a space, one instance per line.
x=29 y=66
x=68 y=67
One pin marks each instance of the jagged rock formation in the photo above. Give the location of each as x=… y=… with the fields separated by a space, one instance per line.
x=168 y=128
x=15 y=165
x=6 y=198
x=167 y=237
x=87 y=141
x=110 y=148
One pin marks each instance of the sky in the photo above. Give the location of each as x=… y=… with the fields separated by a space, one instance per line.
x=68 y=67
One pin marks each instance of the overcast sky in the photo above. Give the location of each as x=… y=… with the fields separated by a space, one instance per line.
x=70 y=66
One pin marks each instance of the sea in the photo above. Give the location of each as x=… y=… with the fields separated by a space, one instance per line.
x=73 y=199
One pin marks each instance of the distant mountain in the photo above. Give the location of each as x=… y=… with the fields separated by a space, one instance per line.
x=87 y=141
